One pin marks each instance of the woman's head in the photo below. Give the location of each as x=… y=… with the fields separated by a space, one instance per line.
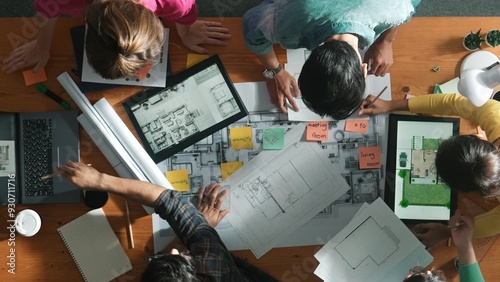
x=122 y=37
x=467 y=163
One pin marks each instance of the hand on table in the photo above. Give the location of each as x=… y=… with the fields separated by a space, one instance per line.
x=431 y=234
x=462 y=228
x=379 y=57
x=283 y=88
x=81 y=175
x=210 y=203
x=204 y=32
x=26 y=55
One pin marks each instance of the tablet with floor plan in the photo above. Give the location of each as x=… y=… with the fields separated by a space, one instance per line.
x=414 y=189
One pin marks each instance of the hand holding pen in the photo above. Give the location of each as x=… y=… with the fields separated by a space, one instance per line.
x=462 y=228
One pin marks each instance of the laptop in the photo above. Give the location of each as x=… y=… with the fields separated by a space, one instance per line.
x=31 y=144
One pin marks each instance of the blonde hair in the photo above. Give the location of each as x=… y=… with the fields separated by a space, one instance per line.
x=122 y=37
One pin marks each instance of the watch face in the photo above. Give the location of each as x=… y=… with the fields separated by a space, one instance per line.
x=268 y=74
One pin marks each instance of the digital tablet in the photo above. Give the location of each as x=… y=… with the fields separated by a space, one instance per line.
x=194 y=104
x=413 y=187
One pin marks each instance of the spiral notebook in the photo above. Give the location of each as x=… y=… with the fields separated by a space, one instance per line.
x=94 y=247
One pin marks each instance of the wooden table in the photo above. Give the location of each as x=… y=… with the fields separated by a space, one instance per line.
x=420 y=46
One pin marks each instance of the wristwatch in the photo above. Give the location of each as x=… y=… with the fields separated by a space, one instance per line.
x=270 y=74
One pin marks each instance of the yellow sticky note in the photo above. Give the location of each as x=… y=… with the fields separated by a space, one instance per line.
x=229 y=168
x=317 y=131
x=193 y=59
x=356 y=125
x=31 y=77
x=179 y=179
x=241 y=137
x=369 y=157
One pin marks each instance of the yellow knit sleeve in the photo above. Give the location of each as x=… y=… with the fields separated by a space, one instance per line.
x=487 y=224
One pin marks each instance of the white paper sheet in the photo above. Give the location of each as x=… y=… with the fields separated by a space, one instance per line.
x=278 y=191
x=255 y=97
x=374 y=246
x=156 y=77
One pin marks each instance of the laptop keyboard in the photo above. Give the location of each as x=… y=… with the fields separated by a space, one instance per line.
x=37 y=157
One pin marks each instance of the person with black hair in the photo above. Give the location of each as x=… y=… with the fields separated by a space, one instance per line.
x=208 y=258
x=465 y=163
x=332 y=80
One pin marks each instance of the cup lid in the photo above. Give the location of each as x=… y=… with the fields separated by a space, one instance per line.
x=28 y=222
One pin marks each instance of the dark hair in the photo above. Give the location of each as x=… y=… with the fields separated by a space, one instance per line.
x=122 y=37
x=170 y=268
x=331 y=81
x=419 y=274
x=467 y=163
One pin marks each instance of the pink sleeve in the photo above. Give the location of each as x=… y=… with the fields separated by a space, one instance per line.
x=182 y=12
x=55 y=8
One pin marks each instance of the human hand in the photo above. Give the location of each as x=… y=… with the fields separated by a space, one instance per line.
x=81 y=175
x=379 y=57
x=282 y=88
x=209 y=204
x=204 y=32
x=462 y=228
x=26 y=55
x=431 y=234
x=379 y=106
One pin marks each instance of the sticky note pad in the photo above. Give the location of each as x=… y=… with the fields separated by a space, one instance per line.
x=369 y=157
x=193 y=59
x=317 y=131
x=356 y=125
x=229 y=168
x=241 y=138
x=31 y=77
x=273 y=139
x=179 y=179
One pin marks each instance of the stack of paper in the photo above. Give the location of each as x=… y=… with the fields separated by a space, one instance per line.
x=374 y=246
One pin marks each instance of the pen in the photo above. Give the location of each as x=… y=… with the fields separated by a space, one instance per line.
x=129 y=227
x=379 y=94
x=51 y=95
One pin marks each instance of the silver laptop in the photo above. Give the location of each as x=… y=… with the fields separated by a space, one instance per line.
x=31 y=144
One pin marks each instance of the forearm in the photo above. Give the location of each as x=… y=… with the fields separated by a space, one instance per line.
x=182 y=30
x=388 y=36
x=269 y=61
x=398 y=105
x=466 y=254
x=45 y=33
x=140 y=191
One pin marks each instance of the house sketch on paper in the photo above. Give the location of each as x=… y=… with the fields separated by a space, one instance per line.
x=226 y=104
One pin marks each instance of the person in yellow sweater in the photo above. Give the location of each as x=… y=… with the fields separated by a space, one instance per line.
x=466 y=163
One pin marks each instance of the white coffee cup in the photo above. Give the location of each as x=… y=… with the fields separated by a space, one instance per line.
x=28 y=223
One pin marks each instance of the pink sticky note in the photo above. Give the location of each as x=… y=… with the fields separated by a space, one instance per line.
x=31 y=77
x=317 y=131
x=356 y=125
x=369 y=157
x=142 y=73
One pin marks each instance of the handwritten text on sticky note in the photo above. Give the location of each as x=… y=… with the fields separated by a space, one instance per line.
x=317 y=131
x=369 y=157
x=241 y=137
x=229 y=168
x=356 y=125
x=179 y=179
x=273 y=139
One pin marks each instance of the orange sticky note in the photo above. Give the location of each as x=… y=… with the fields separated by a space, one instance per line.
x=142 y=73
x=356 y=125
x=31 y=77
x=193 y=59
x=369 y=157
x=179 y=179
x=229 y=168
x=317 y=131
x=241 y=138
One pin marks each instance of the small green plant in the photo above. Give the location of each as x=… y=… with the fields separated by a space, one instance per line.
x=402 y=173
x=493 y=38
x=473 y=41
x=404 y=203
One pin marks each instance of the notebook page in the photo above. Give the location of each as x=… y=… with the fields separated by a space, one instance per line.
x=94 y=247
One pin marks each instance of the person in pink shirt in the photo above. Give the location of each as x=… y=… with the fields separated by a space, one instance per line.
x=123 y=36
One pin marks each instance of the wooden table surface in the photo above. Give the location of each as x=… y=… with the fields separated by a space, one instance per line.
x=421 y=45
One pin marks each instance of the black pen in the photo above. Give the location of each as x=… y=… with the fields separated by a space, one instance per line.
x=53 y=96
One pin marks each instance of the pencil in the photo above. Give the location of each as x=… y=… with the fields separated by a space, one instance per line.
x=379 y=94
x=129 y=228
x=53 y=174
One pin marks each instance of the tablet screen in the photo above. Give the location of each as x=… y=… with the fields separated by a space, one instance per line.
x=414 y=189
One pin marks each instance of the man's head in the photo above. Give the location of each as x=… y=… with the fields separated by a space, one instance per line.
x=467 y=163
x=122 y=37
x=170 y=268
x=332 y=80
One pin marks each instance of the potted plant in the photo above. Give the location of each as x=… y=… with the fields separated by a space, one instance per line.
x=493 y=38
x=473 y=41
